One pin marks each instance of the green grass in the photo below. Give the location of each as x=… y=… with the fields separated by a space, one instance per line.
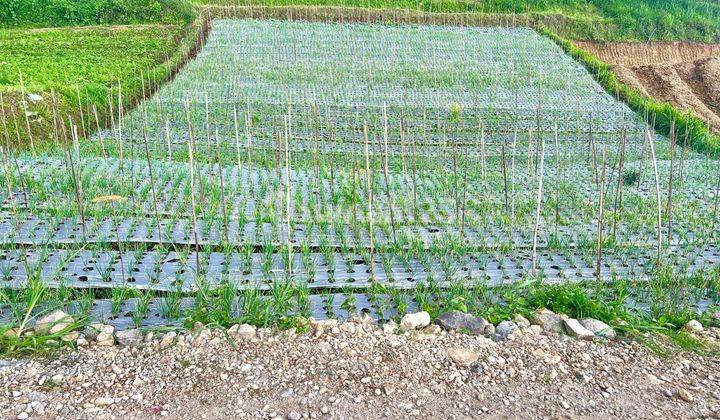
x=49 y=13
x=89 y=60
x=641 y=20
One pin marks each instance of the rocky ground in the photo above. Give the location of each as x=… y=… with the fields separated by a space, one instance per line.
x=358 y=369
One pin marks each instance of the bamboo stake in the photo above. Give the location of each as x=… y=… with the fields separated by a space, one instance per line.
x=223 y=203
x=601 y=213
x=82 y=115
x=25 y=113
x=385 y=171
x=673 y=141
x=100 y=135
x=168 y=141
x=370 y=200
x=539 y=204
x=657 y=194
x=237 y=137
x=557 y=178
x=191 y=166
x=152 y=186
x=617 y=207
x=288 y=165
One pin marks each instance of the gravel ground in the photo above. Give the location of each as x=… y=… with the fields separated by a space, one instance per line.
x=358 y=370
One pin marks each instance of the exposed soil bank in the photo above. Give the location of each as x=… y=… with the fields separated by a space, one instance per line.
x=685 y=74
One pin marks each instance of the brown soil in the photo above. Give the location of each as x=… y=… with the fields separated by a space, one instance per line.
x=684 y=74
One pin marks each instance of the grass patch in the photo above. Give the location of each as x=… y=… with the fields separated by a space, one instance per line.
x=85 y=65
x=609 y=20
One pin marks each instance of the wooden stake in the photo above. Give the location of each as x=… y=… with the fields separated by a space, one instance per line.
x=537 y=208
x=601 y=213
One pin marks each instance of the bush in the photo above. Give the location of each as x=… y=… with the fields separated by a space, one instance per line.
x=50 y=13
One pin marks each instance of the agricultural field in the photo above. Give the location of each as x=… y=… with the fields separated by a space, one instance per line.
x=320 y=169
x=69 y=66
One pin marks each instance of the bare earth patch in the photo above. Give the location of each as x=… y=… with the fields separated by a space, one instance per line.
x=684 y=74
x=356 y=370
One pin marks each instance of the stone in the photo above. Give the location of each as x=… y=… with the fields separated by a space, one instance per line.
x=504 y=329
x=202 y=337
x=244 y=332
x=415 y=321
x=389 y=328
x=53 y=322
x=694 y=326
x=549 y=321
x=104 y=401
x=129 y=338
x=318 y=328
x=462 y=357
x=167 y=339
x=460 y=321
x=521 y=321
x=70 y=337
x=575 y=329
x=294 y=415
x=105 y=339
x=93 y=330
x=432 y=329
x=685 y=395
x=599 y=328
x=348 y=328
x=34 y=97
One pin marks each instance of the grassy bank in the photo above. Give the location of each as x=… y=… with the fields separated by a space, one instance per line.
x=610 y=20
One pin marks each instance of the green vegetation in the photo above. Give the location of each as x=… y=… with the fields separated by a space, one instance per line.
x=50 y=13
x=85 y=65
x=610 y=20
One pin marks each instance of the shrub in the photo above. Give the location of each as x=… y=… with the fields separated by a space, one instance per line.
x=50 y=13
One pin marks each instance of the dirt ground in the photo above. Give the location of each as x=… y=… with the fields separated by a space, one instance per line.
x=358 y=370
x=684 y=74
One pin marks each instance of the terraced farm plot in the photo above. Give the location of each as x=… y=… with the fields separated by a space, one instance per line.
x=294 y=162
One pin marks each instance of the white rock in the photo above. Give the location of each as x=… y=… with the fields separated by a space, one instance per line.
x=245 y=332
x=105 y=339
x=694 y=326
x=33 y=97
x=548 y=320
x=92 y=330
x=415 y=321
x=521 y=321
x=167 y=339
x=599 y=328
x=103 y=401
x=129 y=338
x=462 y=357
x=575 y=329
x=320 y=327
x=53 y=322
x=389 y=327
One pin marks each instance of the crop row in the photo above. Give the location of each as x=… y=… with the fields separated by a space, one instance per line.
x=185 y=270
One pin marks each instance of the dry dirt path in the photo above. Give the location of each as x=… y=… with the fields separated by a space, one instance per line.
x=357 y=370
